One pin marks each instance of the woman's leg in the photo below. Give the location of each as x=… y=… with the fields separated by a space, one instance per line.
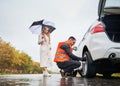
x=46 y=70
x=43 y=70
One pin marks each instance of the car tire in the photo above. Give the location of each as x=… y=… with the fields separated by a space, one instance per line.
x=88 y=69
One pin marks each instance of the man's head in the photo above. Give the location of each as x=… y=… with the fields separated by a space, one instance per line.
x=72 y=40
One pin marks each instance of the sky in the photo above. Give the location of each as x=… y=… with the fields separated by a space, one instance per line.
x=71 y=18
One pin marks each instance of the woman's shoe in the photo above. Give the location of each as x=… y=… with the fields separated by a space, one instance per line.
x=46 y=74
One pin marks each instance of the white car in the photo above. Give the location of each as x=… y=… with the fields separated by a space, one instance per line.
x=101 y=43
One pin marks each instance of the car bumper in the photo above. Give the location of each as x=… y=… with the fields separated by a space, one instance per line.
x=102 y=47
x=113 y=53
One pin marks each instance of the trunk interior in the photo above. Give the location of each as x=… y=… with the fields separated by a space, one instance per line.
x=112 y=27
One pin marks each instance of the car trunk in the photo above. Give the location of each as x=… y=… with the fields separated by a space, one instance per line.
x=109 y=14
x=112 y=26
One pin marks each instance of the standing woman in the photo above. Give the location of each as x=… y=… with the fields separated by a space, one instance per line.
x=45 y=55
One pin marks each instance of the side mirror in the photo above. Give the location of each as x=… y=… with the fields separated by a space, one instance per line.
x=75 y=48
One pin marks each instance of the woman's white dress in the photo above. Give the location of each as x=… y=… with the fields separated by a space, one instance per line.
x=45 y=52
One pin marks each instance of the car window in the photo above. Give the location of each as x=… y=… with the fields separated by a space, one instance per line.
x=112 y=3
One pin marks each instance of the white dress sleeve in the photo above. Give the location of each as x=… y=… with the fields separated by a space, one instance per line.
x=40 y=39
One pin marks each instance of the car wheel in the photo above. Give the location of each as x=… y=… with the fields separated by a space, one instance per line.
x=88 y=69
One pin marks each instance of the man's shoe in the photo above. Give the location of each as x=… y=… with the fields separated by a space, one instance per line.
x=74 y=73
x=67 y=74
x=80 y=72
x=62 y=73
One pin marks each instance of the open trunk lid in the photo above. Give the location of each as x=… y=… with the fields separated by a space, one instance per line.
x=108 y=7
x=109 y=15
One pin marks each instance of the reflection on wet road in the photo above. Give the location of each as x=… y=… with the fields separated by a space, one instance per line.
x=97 y=81
x=55 y=80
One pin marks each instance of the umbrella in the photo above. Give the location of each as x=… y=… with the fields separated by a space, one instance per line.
x=36 y=26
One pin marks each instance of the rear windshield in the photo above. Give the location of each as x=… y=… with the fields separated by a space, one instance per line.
x=112 y=3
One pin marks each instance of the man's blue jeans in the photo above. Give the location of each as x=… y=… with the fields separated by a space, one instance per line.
x=69 y=66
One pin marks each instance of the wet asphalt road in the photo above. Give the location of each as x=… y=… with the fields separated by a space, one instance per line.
x=55 y=80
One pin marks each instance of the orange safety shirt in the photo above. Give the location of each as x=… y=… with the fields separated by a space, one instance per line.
x=61 y=55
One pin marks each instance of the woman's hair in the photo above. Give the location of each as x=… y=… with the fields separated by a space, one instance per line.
x=48 y=34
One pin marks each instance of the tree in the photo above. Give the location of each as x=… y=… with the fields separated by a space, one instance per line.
x=14 y=61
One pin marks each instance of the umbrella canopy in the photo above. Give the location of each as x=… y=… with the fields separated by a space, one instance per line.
x=36 y=26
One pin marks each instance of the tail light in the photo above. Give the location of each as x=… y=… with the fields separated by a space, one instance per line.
x=98 y=28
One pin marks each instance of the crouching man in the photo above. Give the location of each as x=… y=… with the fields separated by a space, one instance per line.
x=65 y=59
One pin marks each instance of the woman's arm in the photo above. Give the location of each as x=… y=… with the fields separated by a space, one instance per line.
x=40 y=39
